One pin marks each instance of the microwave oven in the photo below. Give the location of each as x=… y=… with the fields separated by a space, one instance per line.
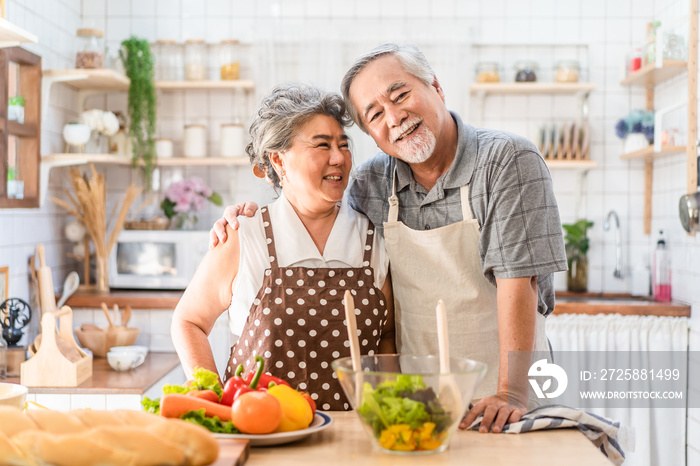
x=156 y=259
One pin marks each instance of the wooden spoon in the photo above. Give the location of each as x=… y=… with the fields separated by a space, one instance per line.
x=126 y=315
x=449 y=395
x=105 y=309
x=354 y=345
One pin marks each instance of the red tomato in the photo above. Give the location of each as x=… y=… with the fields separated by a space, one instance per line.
x=205 y=394
x=311 y=401
x=256 y=413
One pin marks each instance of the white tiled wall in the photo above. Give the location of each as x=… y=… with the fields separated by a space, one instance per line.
x=315 y=41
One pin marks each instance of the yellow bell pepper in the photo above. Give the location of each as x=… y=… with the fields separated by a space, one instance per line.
x=296 y=412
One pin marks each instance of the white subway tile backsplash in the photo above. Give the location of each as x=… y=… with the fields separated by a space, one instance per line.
x=144 y=7
x=144 y=28
x=619 y=8
x=118 y=8
x=94 y=7
x=118 y=28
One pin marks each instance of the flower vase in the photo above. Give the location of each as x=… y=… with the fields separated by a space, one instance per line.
x=635 y=142
x=102 y=275
x=577 y=275
x=97 y=144
x=183 y=221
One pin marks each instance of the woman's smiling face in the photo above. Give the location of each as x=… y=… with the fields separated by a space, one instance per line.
x=317 y=165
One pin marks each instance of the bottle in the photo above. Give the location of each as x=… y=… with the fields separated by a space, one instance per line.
x=662 y=270
x=641 y=278
x=3 y=358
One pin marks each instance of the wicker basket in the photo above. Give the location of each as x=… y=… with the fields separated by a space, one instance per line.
x=158 y=223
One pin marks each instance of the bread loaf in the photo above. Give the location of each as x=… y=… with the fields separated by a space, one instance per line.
x=86 y=437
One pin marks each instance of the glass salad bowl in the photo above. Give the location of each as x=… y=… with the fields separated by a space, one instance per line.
x=405 y=404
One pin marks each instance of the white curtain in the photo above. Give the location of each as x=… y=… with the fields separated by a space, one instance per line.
x=660 y=433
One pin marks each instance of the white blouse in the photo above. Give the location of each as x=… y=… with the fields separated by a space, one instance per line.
x=295 y=248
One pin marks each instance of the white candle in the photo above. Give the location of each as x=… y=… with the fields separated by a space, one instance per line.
x=164 y=148
x=195 y=141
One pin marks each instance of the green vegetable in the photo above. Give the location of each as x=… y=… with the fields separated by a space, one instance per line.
x=405 y=400
x=213 y=424
x=151 y=406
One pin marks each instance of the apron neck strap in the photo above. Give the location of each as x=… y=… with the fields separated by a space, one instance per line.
x=464 y=198
x=368 y=245
x=393 y=201
x=269 y=238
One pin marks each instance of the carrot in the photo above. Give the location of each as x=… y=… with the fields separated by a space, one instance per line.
x=205 y=395
x=176 y=404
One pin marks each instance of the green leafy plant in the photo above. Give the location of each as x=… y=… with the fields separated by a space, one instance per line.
x=16 y=100
x=576 y=239
x=138 y=64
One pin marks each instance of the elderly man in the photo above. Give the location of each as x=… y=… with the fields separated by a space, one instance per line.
x=468 y=216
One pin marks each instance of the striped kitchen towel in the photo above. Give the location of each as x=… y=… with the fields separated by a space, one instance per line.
x=605 y=434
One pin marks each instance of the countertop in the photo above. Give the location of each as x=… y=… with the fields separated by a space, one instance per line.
x=344 y=442
x=105 y=380
x=567 y=303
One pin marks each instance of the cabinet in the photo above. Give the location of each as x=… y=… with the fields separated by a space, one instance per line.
x=650 y=76
x=91 y=82
x=20 y=74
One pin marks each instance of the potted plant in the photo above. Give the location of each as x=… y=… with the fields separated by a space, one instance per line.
x=636 y=130
x=15 y=109
x=576 y=249
x=138 y=65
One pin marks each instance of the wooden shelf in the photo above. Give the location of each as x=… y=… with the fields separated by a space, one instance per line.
x=11 y=35
x=650 y=75
x=532 y=88
x=85 y=79
x=570 y=164
x=25 y=130
x=204 y=85
x=81 y=159
x=649 y=153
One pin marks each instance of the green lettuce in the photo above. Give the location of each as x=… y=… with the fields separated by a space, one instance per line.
x=213 y=424
x=151 y=406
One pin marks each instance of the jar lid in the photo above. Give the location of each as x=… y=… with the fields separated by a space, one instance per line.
x=568 y=64
x=230 y=41
x=526 y=64
x=90 y=32
x=195 y=125
x=194 y=41
x=165 y=41
x=231 y=124
x=487 y=64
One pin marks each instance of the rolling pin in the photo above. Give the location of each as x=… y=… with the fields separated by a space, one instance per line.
x=47 y=298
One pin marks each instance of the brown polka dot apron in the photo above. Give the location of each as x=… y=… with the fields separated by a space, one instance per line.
x=297 y=323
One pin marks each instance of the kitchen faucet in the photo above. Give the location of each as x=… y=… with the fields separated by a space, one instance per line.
x=618 y=242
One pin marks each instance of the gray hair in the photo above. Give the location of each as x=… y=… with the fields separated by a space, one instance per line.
x=412 y=60
x=280 y=117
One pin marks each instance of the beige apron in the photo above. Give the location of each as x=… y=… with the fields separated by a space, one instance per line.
x=444 y=263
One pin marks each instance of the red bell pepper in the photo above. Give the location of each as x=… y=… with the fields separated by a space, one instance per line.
x=232 y=385
x=265 y=379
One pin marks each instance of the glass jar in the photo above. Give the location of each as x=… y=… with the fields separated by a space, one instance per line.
x=567 y=71
x=487 y=72
x=227 y=60
x=526 y=71
x=674 y=47
x=91 y=49
x=195 y=144
x=634 y=60
x=195 y=60
x=169 y=64
x=231 y=140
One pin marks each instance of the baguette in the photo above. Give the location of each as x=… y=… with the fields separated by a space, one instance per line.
x=86 y=437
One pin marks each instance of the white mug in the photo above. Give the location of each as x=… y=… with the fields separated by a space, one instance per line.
x=125 y=360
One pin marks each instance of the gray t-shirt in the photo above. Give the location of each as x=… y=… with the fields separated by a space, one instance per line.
x=510 y=194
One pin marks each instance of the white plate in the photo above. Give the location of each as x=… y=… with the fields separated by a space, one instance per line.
x=321 y=421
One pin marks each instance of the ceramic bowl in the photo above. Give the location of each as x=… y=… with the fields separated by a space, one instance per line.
x=405 y=404
x=133 y=348
x=125 y=360
x=76 y=134
x=12 y=394
x=101 y=340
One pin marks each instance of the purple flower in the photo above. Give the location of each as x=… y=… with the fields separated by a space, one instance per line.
x=188 y=195
x=621 y=129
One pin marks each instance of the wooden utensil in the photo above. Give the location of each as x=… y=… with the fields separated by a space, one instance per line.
x=126 y=315
x=448 y=391
x=115 y=308
x=47 y=298
x=70 y=285
x=232 y=452
x=354 y=344
x=105 y=309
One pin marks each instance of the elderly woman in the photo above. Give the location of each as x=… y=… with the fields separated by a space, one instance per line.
x=282 y=275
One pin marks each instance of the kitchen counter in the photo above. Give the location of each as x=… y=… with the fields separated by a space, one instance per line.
x=344 y=442
x=106 y=381
x=611 y=303
x=567 y=302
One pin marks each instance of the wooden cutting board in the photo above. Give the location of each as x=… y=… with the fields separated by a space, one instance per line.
x=232 y=452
